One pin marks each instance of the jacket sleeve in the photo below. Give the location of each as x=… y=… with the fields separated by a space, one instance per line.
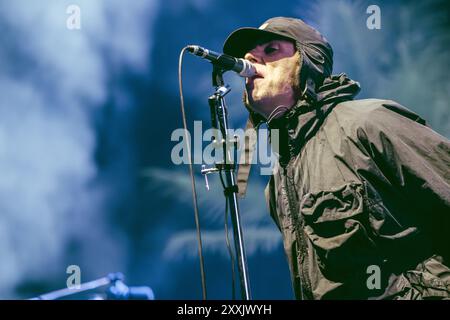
x=416 y=161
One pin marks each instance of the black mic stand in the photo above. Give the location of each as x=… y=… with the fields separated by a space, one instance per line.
x=219 y=120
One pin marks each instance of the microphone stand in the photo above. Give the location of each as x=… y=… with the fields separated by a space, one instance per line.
x=219 y=120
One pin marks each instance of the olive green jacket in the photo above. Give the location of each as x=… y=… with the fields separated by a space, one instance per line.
x=361 y=195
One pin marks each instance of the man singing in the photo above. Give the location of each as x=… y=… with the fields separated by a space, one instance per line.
x=361 y=190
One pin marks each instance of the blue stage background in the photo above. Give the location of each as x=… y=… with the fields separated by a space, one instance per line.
x=86 y=117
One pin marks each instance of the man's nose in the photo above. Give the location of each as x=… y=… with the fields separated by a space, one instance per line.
x=253 y=57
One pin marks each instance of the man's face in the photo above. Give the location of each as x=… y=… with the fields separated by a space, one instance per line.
x=276 y=82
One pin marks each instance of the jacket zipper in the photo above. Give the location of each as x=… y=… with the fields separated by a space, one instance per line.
x=298 y=224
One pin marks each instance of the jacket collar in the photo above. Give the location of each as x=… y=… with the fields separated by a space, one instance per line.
x=297 y=125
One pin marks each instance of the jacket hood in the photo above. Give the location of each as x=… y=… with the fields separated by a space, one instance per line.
x=303 y=120
x=334 y=89
x=316 y=54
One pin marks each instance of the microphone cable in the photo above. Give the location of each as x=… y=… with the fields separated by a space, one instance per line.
x=227 y=239
x=191 y=172
x=194 y=196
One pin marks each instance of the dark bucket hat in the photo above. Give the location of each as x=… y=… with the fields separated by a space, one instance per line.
x=315 y=49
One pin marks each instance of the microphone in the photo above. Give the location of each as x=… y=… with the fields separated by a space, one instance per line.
x=241 y=66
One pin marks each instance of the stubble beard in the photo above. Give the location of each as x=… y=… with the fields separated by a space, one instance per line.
x=262 y=107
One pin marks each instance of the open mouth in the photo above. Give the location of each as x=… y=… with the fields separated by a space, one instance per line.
x=257 y=75
x=252 y=79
